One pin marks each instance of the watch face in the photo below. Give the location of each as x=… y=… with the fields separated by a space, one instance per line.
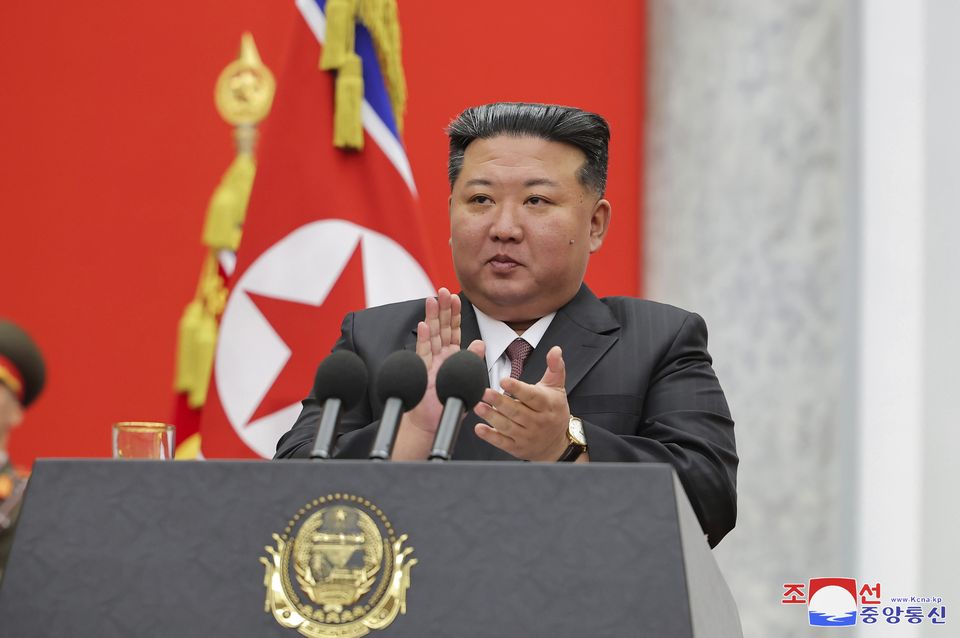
x=576 y=431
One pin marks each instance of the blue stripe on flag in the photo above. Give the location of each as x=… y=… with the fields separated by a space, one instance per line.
x=374 y=88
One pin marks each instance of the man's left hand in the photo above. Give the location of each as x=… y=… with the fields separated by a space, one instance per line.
x=529 y=421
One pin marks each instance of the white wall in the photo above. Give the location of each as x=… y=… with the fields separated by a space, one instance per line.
x=910 y=306
x=890 y=313
x=940 y=554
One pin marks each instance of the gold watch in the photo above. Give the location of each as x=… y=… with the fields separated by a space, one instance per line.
x=577 y=439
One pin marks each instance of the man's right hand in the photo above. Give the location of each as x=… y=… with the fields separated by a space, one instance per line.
x=438 y=337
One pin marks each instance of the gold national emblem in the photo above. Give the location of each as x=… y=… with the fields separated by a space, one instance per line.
x=338 y=569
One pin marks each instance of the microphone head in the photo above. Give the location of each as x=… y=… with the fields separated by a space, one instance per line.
x=343 y=376
x=403 y=376
x=463 y=375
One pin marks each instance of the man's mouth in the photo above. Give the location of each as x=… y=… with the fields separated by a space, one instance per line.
x=503 y=263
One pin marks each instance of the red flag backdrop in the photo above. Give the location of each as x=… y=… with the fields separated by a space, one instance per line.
x=113 y=147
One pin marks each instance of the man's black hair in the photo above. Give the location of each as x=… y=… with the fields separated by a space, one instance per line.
x=584 y=130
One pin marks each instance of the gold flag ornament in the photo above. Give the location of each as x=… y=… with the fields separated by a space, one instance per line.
x=380 y=19
x=243 y=96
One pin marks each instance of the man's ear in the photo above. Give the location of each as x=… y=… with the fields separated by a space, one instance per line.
x=599 y=222
x=450 y=216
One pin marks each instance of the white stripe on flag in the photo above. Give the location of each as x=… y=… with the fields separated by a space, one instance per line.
x=378 y=131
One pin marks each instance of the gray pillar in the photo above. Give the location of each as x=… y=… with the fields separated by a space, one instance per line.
x=746 y=225
x=941 y=436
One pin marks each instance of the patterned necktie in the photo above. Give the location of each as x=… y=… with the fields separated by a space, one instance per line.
x=517 y=352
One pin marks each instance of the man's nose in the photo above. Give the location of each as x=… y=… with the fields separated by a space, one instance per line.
x=506 y=224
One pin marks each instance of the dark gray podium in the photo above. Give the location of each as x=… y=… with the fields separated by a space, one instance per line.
x=128 y=548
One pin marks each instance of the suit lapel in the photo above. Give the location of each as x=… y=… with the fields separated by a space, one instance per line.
x=469 y=328
x=584 y=329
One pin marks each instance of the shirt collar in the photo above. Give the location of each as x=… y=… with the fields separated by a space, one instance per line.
x=497 y=335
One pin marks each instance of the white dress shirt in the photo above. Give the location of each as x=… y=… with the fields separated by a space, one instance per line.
x=497 y=335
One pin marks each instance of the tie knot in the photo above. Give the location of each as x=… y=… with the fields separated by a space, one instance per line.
x=517 y=352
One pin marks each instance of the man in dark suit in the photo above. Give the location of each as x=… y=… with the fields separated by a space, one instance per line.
x=573 y=378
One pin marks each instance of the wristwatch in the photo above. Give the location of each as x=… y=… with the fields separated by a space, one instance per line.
x=578 y=442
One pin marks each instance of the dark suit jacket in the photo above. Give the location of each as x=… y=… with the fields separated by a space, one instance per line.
x=638 y=375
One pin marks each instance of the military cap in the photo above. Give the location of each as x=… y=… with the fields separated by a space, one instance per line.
x=21 y=364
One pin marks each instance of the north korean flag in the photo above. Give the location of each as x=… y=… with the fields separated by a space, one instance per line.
x=328 y=231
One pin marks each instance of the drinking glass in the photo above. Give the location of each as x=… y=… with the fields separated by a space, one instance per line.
x=143 y=440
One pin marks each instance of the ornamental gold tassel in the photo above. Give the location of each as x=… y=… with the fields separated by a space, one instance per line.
x=341 y=17
x=197 y=334
x=228 y=205
x=204 y=344
x=380 y=19
x=347 y=123
x=186 y=372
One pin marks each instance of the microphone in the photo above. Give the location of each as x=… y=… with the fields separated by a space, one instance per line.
x=461 y=381
x=401 y=384
x=340 y=383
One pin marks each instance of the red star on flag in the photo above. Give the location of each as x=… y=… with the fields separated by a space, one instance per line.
x=310 y=332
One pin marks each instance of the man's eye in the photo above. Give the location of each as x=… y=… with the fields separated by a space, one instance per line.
x=479 y=199
x=536 y=201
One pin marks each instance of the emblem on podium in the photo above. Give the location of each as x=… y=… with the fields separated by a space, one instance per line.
x=338 y=569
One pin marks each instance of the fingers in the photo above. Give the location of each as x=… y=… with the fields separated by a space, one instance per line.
x=450 y=306
x=442 y=316
x=423 y=341
x=445 y=305
x=538 y=398
x=506 y=419
x=432 y=319
x=494 y=437
x=508 y=407
x=555 y=375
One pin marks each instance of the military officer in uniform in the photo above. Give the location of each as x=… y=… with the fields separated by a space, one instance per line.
x=22 y=376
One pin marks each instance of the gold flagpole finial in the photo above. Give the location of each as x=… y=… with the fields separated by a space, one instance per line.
x=245 y=88
x=248 y=50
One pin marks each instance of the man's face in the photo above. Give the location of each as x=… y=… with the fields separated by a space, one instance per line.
x=11 y=413
x=514 y=209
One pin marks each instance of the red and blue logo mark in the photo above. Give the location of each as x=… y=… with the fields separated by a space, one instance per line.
x=831 y=602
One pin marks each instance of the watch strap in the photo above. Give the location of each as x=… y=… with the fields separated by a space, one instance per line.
x=572 y=453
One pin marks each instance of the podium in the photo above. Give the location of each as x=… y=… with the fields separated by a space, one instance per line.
x=466 y=549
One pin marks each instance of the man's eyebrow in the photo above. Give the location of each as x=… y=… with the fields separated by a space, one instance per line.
x=478 y=182
x=541 y=181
